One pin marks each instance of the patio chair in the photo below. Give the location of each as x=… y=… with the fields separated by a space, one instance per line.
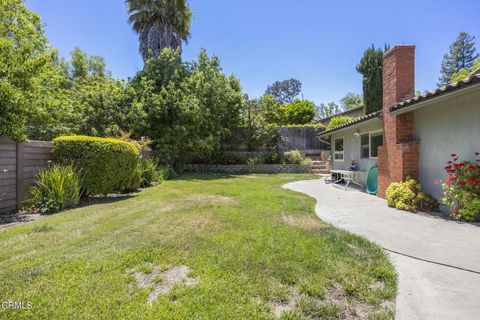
x=372 y=181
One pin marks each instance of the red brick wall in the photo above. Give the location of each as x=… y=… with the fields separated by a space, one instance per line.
x=399 y=156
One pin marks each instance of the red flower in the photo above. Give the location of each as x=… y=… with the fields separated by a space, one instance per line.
x=478 y=183
x=450 y=180
x=460 y=165
x=462 y=183
x=472 y=168
x=451 y=171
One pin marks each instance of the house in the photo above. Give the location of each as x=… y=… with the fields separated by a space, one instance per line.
x=353 y=113
x=411 y=136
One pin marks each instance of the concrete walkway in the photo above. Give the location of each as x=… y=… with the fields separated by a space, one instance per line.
x=437 y=261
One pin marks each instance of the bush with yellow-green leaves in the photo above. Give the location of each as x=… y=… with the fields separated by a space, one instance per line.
x=409 y=196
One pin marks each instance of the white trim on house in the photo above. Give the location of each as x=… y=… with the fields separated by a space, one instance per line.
x=335 y=152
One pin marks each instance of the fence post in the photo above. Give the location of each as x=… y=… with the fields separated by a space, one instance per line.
x=19 y=174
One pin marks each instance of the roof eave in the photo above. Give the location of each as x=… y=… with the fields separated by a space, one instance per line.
x=376 y=117
x=396 y=110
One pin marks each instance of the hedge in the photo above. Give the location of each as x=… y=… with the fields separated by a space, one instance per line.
x=106 y=165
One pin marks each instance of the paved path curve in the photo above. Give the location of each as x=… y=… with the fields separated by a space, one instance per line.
x=437 y=261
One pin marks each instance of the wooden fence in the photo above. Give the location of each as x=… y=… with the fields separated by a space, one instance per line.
x=294 y=138
x=301 y=138
x=19 y=162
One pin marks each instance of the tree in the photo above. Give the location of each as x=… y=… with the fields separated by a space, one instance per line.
x=351 y=101
x=24 y=54
x=77 y=97
x=370 y=66
x=327 y=110
x=298 y=112
x=285 y=91
x=461 y=56
x=465 y=72
x=270 y=109
x=160 y=24
x=259 y=117
x=187 y=109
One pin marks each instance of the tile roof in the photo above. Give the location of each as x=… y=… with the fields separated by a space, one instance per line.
x=372 y=115
x=474 y=78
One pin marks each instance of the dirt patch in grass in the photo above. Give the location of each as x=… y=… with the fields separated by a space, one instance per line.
x=208 y=199
x=288 y=305
x=162 y=282
x=302 y=221
x=335 y=305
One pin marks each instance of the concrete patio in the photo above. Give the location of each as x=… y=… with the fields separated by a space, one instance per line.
x=437 y=261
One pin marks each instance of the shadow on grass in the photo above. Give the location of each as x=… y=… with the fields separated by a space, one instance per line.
x=195 y=176
x=105 y=200
x=14 y=218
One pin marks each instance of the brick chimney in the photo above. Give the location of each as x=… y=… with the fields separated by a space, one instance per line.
x=399 y=155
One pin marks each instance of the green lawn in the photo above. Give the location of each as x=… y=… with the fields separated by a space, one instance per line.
x=251 y=246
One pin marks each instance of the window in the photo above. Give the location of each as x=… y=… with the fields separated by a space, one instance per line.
x=365 y=146
x=338 y=149
x=376 y=140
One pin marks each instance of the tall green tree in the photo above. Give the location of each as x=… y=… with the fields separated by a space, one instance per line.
x=259 y=118
x=187 y=108
x=298 y=112
x=462 y=55
x=351 y=101
x=370 y=66
x=160 y=24
x=77 y=97
x=24 y=55
x=327 y=110
x=285 y=91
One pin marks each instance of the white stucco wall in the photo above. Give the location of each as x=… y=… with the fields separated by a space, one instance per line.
x=352 y=148
x=446 y=127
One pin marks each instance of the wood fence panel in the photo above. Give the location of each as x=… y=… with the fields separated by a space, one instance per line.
x=19 y=164
x=35 y=156
x=301 y=138
x=8 y=174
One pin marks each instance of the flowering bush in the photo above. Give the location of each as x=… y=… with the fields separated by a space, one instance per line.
x=409 y=196
x=461 y=190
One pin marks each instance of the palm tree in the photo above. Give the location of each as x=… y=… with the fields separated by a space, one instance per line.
x=159 y=24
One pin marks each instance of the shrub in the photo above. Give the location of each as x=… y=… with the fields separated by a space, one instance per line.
x=256 y=160
x=307 y=161
x=150 y=173
x=273 y=158
x=338 y=121
x=298 y=112
x=461 y=190
x=293 y=157
x=134 y=180
x=232 y=159
x=57 y=187
x=409 y=196
x=107 y=165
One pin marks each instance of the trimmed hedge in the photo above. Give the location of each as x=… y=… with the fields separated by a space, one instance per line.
x=107 y=165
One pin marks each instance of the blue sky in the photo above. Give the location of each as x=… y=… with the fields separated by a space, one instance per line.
x=261 y=41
